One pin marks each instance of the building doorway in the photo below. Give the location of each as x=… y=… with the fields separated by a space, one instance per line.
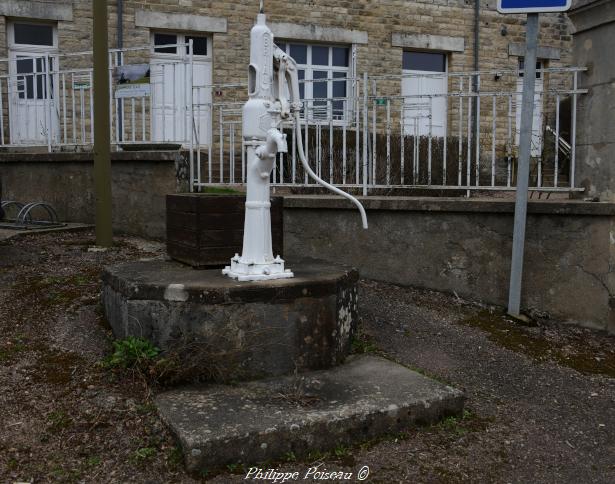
x=171 y=85
x=33 y=88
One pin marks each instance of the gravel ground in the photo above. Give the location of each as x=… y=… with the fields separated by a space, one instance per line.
x=541 y=398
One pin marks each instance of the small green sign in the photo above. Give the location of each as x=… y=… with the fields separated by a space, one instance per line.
x=381 y=101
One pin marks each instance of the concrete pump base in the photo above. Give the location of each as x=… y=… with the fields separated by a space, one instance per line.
x=230 y=330
x=257 y=421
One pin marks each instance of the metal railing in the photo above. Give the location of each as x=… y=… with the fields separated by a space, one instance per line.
x=446 y=131
x=47 y=100
x=431 y=140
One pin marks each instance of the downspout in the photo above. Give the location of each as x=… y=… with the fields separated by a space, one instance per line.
x=120 y=24
x=120 y=59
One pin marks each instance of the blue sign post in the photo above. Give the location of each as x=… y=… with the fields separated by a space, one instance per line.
x=532 y=8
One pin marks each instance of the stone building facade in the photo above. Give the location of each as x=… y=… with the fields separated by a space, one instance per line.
x=375 y=37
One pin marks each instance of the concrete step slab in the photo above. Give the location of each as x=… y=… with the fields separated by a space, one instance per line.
x=253 y=422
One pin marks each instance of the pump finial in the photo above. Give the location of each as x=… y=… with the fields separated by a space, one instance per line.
x=262 y=10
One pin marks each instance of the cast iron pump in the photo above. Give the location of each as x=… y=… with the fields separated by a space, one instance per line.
x=272 y=74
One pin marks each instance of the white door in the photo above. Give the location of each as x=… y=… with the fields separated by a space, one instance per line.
x=170 y=79
x=425 y=75
x=537 y=134
x=33 y=88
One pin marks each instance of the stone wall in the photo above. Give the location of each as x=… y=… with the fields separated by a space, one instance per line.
x=464 y=246
x=140 y=183
x=594 y=41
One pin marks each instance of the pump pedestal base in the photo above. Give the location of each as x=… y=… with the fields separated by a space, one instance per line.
x=230 y=330
x=244 y=272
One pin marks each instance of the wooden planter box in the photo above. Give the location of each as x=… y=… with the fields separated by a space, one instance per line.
x=207 y=230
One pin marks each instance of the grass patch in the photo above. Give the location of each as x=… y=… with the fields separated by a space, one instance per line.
x=58 y=421
x=143 y=455
x=363 y=343
x=220 y=191
x=574 y=353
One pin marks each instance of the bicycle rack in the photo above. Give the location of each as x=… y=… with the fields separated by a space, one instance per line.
x=25 y=216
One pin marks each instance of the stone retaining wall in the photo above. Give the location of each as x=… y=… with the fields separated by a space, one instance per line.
x=464 y=246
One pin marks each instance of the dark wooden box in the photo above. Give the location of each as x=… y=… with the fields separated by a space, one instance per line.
x=207 y=230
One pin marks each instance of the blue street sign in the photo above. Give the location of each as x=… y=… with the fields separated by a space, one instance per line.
x=533 y=6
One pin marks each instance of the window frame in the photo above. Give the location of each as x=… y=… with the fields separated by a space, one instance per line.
x=445 y=55
x=181 y=39
x=13 y=46
x=309 y=68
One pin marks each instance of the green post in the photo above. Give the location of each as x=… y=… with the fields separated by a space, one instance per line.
x=102 y=128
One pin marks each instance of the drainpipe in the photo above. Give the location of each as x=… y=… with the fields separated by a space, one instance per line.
x=120 y=60
x=120 y=24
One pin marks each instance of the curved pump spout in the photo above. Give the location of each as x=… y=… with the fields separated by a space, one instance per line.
x=293 y=82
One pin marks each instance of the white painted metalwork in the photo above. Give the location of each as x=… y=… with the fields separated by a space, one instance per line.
x=272 y=74
x=392 y=149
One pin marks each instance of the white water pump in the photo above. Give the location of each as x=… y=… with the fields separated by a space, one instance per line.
x=272 y=73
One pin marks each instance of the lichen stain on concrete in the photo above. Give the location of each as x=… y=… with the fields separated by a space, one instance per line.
x=176 y=292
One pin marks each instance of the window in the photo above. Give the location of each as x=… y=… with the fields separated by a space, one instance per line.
x=538 y=68
x=424 y=61
x=322 y=64
x=168 y=43
x=33 y=34
x=31 y=78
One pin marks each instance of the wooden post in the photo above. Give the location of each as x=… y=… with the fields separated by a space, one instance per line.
x=102 y=129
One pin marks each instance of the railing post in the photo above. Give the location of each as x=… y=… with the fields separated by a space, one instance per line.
x=573 y=135
x=191 y=110
x=48 y=101
x=365 y=132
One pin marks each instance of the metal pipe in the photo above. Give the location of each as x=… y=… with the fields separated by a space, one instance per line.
x=523 y=172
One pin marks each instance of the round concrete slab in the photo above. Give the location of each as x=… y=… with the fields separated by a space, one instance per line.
x=236 y=330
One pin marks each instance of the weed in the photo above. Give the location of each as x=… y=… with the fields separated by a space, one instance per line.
x=93 y=461
x=341 y=451
x=290 y=457
x=144 y=453
x=363 y=344
x=131 y=352
x=58 y=421
x=236 y=468
x=145 y=409
x=176 y=457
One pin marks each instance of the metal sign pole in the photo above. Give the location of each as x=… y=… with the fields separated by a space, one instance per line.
x=523 y=171
x=102 y=129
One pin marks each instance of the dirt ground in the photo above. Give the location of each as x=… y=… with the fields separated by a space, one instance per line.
x=540 y=408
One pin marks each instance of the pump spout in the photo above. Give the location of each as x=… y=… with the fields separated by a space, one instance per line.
x=275 y=143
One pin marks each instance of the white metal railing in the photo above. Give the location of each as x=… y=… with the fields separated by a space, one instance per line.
x=388 y=140
x=47 y=100
x=385 y=133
